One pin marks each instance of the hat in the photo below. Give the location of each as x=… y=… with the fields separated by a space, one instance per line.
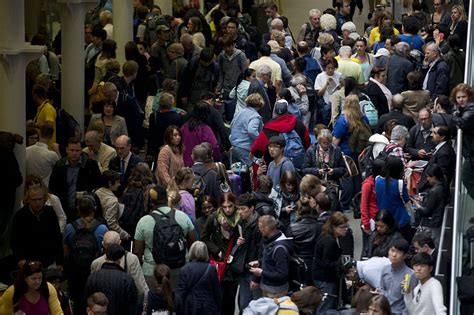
x=114 y=252
x=162 y=27
x=281 y=107
x=348 y=26
x=274 y=46
x=52 y=274
x=382 y=52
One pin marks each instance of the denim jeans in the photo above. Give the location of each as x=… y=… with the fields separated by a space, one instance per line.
x=330 y=302
x=245 y=293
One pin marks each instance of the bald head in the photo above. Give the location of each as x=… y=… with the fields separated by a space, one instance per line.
x=123 y=145
x=93 y=140
x=402 y=49
x=432 y=52
x=187 y=41
x=345 y=52
x=111 y=237
x=277 y=24
x=397 y=101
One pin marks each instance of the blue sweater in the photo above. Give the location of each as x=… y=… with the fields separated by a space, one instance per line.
x=389 y=198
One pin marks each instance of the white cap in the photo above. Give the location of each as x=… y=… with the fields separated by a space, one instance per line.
x=382 y=52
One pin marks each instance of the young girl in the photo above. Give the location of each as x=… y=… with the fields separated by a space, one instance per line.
x=183 y=182
x=161 y=297
x=289 y=195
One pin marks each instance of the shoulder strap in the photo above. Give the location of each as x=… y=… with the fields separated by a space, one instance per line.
x=400 y=190
x=290 y=307
x=125 y=264
x=276 y=247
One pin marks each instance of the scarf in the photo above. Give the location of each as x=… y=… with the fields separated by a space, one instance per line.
x=386 y=92
x=227 y=223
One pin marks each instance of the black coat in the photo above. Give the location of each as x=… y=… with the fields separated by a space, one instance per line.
x=465 y=121
x=265 y=205
x=397 y=69
x=445 y=158
x=377 y=97
x=327 y=254
x=130 y=110
x=416 y=142
x=305 y=232
x=312 y=164
x=396 y=114
x=117 y=286
x=252 y=236
x=257 y=87
x=438 y=79
x=432 y=210
x=198 y=290
x=37 y=238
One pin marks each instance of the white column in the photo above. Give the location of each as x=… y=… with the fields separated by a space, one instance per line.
x=123 y=26
x=165 y=5
x=14 y=56
x=72 y=41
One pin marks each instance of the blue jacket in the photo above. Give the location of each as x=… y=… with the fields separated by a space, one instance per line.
x=245 y=128
x=438 y=79
x=389 y=198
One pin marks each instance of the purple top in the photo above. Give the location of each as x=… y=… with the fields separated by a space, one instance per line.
x=39 y=308
x=200 y=134
x=187 y=204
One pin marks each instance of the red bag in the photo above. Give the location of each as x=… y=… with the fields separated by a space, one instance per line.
x=221 y=265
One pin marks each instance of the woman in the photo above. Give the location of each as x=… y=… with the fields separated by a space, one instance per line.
x=107 y=54
x=431 y=209
x=170 y=158
x=195 y=29
x=327 y=254
x=198 y=290
x=440 y=14
x=241 y=89
x=287 y=197
x=387 y=190
x=458 y=23
x=379 y=305
x=378 y=92
x=111 y=207
x=161 y=298
x=352 y=121
x=183 y=182
x=379 y=239
x=385 y=33
x=324 y=159
x=305 y=232
x=30 y=294
x=368 y=201
x=195 y=131
x=461 y=95
x=206 y=208
x=416 y=97
x=385 y=19
x=220 y=234
x=364 y=59
x=115 y=125
x=325 y=85
x=53 y=201
x=245 y=127
x=133 y=198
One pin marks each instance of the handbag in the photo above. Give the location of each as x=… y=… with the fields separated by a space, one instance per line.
x=239 y=255
x=221 y=265
x=408 y=205
x=351 y=166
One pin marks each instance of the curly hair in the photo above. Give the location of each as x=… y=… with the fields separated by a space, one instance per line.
x=328 y=22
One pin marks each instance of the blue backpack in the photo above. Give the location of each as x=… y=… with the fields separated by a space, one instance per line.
x=294 y=149
x=369 y=110
x=312 y=67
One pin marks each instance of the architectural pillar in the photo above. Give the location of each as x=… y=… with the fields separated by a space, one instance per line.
x=72 y=40
x=165 y=5
x=123 y=26
x=14 y=57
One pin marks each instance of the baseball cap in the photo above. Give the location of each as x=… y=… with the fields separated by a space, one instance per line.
x=281 y=107
x=382 y=52
x=162 y=27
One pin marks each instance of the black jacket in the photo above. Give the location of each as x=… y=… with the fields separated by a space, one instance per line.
x=215 y=122
x=445 y=158
x=380 y=250
x=115 y=165
x=117 y=286
x=327 y=254
x=274 y=260
x=396 y=114
x=312 y=163
x=265 y=205
x=397 y=69
x=465 y=121
x=88 y=178
x=37 y=237
x=252 y=236
x=198 y=290
x=377 y=97
x=305 y=232
x=130 y=110
x=416 y=142
x=257 y=87
x=438 y=79
x=158 y=122
x=432 y=209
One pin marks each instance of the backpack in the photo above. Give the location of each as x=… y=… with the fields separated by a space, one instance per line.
x=199 y=187
x=312 y=68
x=366 y=158
x=369 y=110
x=151 y=22
x=269 y=306
x=84 y=248
x=169 y=242
x=297 y=269
x=66 y=127
x=294 y=149
x=359 y=138
x=134 y=208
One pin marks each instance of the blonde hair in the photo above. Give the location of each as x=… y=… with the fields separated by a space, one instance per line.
x=277 y=35
x=352 y=112
x=462 y=12
x=325 y=39
x=255 y=100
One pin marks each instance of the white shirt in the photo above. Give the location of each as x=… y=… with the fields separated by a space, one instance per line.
x=426 y=298
x=40 y=161
x=321 y=81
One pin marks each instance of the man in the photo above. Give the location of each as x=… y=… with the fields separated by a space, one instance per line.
x=271 y=271
x=312 y=68
x=285 y=72
x=129 y=109
x=309 y=31
x=144 y=234
x=398 y=66
x=125 y=161
x=394 y=274
x=397 y=114
x=92 y=51
x=263 y=86
x=105 y=19
x=158 y=49
x=343 y=14
x=277 y=25
x=130 y=263
x=443 y=155
x=284 y=122
x=279 y=164
x=427 y=296
x=45 y=113
x=368 y=270
x=79 y=252
x=97 y=304
x=241 y=40
x=437 y=77
x=264 y=204
x=97 y=150
x=348 y=67
x=71 y=174
x=129 y=71
x=232 y=63
x=456 y=60
x=200 y=155
x=419 y=143
x=424 y=243
x=115 y=282
x=39 y=159
x=191 y=51
x=35 y=234
x=271 y=11
x=248 y=246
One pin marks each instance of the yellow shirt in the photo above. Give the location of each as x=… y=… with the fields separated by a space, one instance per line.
x=47 y=114
x=351 y=69
x=375 y=35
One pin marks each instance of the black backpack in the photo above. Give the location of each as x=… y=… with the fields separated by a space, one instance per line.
x=134 y=208
x=66 y=127
x=199 y=187
x=169 y=242
x=84 y=248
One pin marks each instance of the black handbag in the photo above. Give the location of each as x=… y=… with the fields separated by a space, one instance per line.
x=239 y=256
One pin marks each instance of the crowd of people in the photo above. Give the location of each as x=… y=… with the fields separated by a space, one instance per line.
x=221 y=163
